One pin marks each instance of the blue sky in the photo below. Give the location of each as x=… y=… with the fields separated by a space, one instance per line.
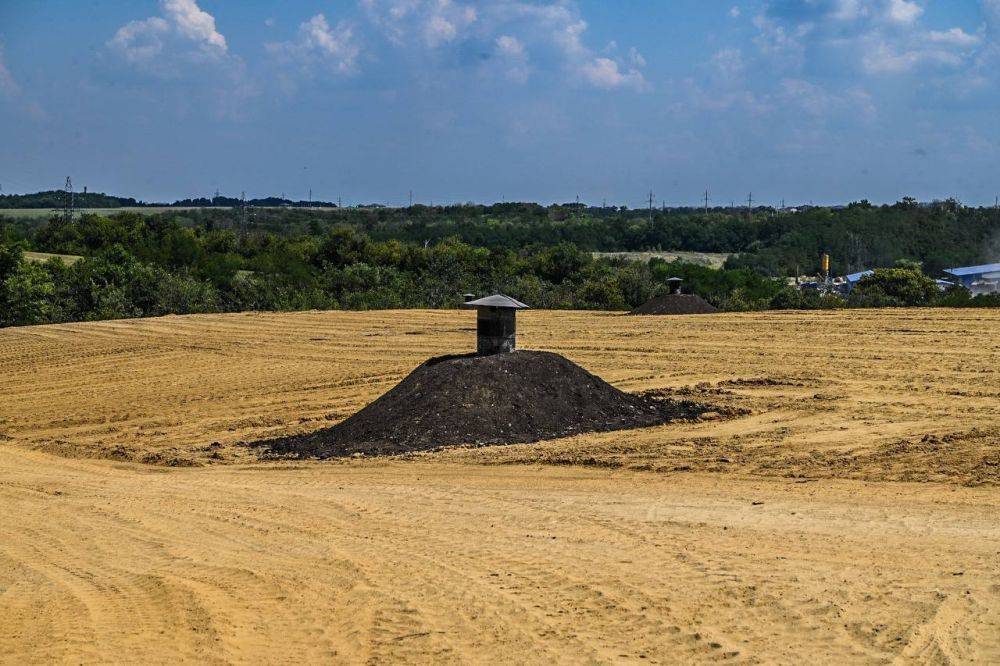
x=457 y=100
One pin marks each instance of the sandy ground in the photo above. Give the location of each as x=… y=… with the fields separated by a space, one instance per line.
x=851 y=514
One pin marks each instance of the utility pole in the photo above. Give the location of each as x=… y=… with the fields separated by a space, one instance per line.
x=310 y=196
x=70 y=200
x=750 y=207
x=706 y=201
x=651 y=207
x=411 y=198
x=339 y=205
x=243 y=216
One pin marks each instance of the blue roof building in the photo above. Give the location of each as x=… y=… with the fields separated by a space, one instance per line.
x=984 y=279
x=851 y=281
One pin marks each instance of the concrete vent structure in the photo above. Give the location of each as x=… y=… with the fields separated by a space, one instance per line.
x=496 y=323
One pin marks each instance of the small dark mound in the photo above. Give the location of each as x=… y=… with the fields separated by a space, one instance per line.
x=521 y=397
x=675 y=304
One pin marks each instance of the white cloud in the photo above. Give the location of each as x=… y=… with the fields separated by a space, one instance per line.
x=728 y=63
x=734 y=12
x=183 y=25
x=880 y=37
x=510 y=46
x=903 y=11
x=514 y=56
x=884 y=59
x=140 y=41
x=554 y=28
x=8 y=86
x=437 y=22
x=636 y=58
x=818 y=102
x=558 y=25
x=318 y=43
x=193 y=23
x=954 y=37
x=849 y=10
x=606 y=73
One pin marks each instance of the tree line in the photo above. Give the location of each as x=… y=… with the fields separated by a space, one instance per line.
x=774 y=243
x=134 y=266
x=204 y=261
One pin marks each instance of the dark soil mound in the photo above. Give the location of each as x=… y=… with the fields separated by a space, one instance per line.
x=675 y=304
x=524 y=396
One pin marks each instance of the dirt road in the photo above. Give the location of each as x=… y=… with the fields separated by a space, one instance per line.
x=851 y=515
x=418 y=561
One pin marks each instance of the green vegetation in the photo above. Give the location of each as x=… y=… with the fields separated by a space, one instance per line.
x=196 y=260
x=135 y=265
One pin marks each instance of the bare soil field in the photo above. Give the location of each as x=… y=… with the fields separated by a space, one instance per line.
x=712 y=259
x=847 y=509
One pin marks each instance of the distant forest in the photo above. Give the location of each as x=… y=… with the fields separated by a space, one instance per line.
x=286 y=258
x=83 y=200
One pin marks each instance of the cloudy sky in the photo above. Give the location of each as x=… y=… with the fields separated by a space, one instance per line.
x=456 y=100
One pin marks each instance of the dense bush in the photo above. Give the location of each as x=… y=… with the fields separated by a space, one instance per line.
x=894 y=287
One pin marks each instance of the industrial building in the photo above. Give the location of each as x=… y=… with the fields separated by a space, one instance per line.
x=978 y=280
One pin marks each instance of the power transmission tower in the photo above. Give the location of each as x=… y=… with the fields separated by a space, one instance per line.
x=706 y=202
x=411 y=198
x=651 y=207
x=310 y=196
x=750 y=207
x=243 y=216
x=70 y=200
x=339 y=205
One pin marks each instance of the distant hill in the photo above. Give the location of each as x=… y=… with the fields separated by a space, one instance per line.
x=57 y=199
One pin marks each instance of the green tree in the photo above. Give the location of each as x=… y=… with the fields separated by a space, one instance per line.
x=26 y=296
x=894 y=287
